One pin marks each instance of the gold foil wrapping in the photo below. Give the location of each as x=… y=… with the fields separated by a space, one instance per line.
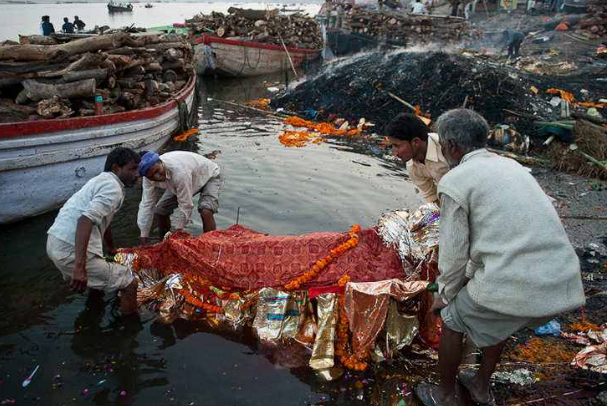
x=367 y=306
x=233 y=312
x=400 y=329
x=323 y=352
x=278 y=314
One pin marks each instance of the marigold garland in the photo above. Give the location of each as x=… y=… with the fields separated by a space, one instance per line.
x=322 y=263
x=323 y=128
x=263 y=104
x=298 y=138
x=186 y=134
x=351 y=361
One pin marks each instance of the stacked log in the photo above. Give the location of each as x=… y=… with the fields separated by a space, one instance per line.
x=405 y=28
x=595 y=24
x=271 y=27
x=44 y=80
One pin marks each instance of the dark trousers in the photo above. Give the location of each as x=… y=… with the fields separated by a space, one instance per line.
x=514 y=48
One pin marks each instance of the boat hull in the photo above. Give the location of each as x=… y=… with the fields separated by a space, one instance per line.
x=236 y=58
x=40 y=171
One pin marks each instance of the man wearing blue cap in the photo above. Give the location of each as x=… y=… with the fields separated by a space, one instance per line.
x=170 y=181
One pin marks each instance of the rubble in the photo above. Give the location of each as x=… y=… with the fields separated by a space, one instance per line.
x=363 y=86
x=271 y=27
x=406 y=28
x=61 y=79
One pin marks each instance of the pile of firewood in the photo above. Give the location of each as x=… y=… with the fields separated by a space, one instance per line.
x=595 y=25
x=405 y=28
x=270 y=27
x=43 y=78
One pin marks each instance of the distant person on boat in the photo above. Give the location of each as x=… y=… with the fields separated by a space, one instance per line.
x=170 y=181
x=418 y=8
x=79 y=24
x=47 y=26
x=68 y=27
x=413 y=143
x=76 y=238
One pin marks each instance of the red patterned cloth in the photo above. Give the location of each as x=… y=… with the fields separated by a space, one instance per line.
x=243 y=259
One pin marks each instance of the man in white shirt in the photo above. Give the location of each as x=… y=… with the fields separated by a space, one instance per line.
x=76 y=238
x=413 y=144
x=418 y=8
x=170 y=181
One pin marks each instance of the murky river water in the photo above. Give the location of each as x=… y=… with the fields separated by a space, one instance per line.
x=90 y=355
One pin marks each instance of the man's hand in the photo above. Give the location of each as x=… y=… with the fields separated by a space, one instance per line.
x=437 y=305
x=79 y=278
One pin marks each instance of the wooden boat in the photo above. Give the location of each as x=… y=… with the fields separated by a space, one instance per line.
x=237 y=58
x=44 y=162
x=119 y=7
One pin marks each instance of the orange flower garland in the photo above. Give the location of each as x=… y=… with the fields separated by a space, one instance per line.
x=323 y=128
x=322 y=263
x=350 y=361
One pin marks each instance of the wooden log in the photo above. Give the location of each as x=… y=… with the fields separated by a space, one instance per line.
x=168 y=45
x=120 y=61
x=39 y=91
x=179 y=64
x=85 y=62
x=52 y=52
x=11 y=112
x=98 y=74
x=153 y=67
x=22 y=97
x=37 y=40
x=111 y=82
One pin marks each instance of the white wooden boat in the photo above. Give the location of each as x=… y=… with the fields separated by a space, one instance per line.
x=236 y=58
x=44 y=162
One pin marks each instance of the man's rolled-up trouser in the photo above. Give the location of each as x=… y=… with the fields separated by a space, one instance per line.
x=209 y=198
x=101 y=274
x=483 y=326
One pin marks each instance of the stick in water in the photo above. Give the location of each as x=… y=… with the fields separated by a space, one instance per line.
x=28 y=380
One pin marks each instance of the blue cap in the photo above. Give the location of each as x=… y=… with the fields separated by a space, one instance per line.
x=147 y=161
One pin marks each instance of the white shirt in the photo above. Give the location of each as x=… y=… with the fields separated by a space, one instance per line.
x=418 y=8
x=99 y=199
x=187 y=173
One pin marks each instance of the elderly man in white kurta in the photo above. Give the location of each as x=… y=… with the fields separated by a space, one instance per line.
x=505 y=260
x=170 y=181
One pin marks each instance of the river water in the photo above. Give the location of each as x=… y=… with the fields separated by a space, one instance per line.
x=24 y=19
x=88 y=354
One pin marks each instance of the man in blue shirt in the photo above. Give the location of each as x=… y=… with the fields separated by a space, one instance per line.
x=68 y=27
x=47 y=26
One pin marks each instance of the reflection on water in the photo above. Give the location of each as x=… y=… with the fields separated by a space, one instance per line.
x=89 y=354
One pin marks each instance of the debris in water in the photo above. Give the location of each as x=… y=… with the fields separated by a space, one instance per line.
x=28 y=380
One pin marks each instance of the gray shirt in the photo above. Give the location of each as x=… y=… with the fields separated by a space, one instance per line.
x=98 y=200
x=499 y=228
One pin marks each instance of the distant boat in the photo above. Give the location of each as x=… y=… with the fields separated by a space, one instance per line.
x=119 y=7
x=148 y=5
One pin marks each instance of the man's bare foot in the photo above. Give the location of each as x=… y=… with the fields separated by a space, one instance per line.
x=478 y=392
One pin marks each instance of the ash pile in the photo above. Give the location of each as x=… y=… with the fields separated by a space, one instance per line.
x=271 y=27
x=406 y=28
x=366 y=86
x=44 y=78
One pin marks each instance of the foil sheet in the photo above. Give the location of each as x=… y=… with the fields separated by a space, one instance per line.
x=323 y=351
x=278 y=315
x=367 y=307
x=233 y=313
x=413 y=234
x=594 y=357
x=400 y=329
x=307 y=326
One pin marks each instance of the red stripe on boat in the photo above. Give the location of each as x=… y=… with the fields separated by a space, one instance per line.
x=209 y=39
x=25 y=128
